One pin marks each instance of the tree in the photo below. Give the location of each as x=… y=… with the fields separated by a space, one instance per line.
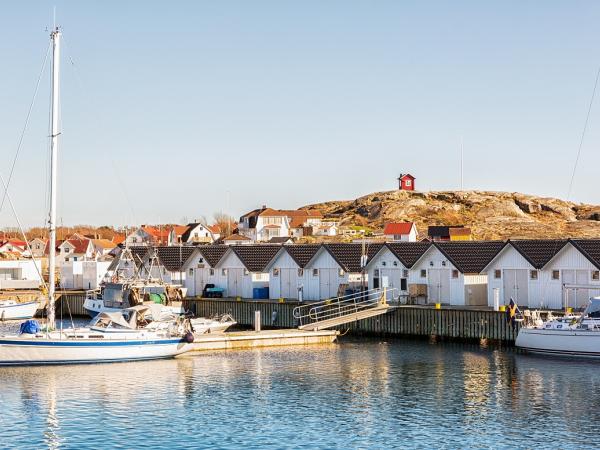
x=225 y=223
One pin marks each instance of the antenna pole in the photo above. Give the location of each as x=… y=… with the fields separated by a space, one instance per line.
x=55 y=37
x=462 y=151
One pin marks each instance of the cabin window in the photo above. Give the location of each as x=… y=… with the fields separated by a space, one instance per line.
x=555 y=274
x=224 y=272
x=443 y=263
x=595 y=275
x=246 y=273
x=315 y=272
x=212 y=272
x=191 y=272
x=455 y=273
x=423 y=273
x=408 y=183
x=403 y=284
x=497 y=274
x=405 y=273
x=300 y=272
x=341 y=273
x=275 y=272
x=200 y=260
x=395 y=263
x=376 y=273
x=383 y=263
x=533 y=274
x=430 y=263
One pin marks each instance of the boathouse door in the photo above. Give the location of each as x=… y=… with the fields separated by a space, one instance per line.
x=576 y=298
x=515 y=285
x=234 y=282
x=439 y=285
x=289 y=283
x=199 y=281
x=328 y=284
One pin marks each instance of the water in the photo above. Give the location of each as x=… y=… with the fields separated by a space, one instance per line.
x=356 y=394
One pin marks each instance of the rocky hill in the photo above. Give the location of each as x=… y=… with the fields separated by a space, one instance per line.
x=490 y=215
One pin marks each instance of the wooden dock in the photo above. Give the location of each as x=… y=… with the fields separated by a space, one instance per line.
x=238 y=340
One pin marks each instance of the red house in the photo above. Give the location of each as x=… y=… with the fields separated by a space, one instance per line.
x=406 y=182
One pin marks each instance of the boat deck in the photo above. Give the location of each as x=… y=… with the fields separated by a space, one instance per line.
x=264 y=338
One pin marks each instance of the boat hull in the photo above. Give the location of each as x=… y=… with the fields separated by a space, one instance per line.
x=45 y=351
x=575 y=343
x=18 y=311
x=93 y=307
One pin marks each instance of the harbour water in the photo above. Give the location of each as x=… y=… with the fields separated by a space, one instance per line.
x=354 y=394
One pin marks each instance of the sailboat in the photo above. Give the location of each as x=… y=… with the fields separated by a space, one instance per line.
x=97 y=343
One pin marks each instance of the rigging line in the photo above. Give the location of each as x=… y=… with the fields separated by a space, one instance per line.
x=587 y=118
x=37 y=269
x=21 y=138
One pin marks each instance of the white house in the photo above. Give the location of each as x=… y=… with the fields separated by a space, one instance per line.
x=83 y=274
x=20 y=274
x=401 y=231
x=75 y=250
x=201 y=269
x=266 y=223
x=149 y=235
x=38 y=246
x=167 y=263
x=197 y=233
x=237 y=239
x=287 y=274
x=390 y=266
x=540 y=273
x=452 y=271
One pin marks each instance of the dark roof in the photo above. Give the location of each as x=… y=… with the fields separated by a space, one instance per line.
x=470 y=256
x=538 y=251
x=408 y=252
x=590 y=248
x=280 y=239
x=186 y=234
x=302 y=253
x=441 y=230
x=256 y=257
x=348 y=255
x=174 y=257
x=213 y=253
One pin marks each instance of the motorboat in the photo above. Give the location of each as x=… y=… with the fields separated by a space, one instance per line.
x=571 y=335
x=13 y=309
x=216 y=324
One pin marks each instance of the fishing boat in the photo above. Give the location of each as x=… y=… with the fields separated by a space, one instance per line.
x=571 y=335
x=12 y=309
x=93 y=344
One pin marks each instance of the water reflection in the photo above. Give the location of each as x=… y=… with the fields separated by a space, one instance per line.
x=355 y=394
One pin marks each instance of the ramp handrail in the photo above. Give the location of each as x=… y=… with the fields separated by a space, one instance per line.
x=339 y=306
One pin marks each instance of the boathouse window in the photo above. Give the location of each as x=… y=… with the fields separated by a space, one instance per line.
x=533 y=274
x=431 y=263
x=423 y=273
x=455 y=273
x=595 y=275
x=191 y=272
x=403 y=284
x=224 y=272
x=376 y=273
x=315 y=272
x=275 y=272
x=395 y=263
x=212 y=272
x=341 y=273
x=443 y=263
x=300 y=272
x=497 y=274
x=383 y=263
x=246 y=272
x=405 y=273
x=555 y=274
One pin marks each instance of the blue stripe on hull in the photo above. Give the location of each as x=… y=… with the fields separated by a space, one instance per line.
x=90 y=343
x=561 y=352
x=80 y=361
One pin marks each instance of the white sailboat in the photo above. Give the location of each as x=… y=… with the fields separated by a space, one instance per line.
x=84 y=345
x=12 y=309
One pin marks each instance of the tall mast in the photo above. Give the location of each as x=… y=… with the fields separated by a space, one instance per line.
x=55 y=37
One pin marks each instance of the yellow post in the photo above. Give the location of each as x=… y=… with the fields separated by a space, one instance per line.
x=569 y=310
x=438 y=306
x=502 y=308
x=281 y=300
x=238 y=299
x=384 y=297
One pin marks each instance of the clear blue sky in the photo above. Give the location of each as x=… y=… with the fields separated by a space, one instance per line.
x=288 y=103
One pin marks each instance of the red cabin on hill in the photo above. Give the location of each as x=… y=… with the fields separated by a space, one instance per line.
x=406 y=182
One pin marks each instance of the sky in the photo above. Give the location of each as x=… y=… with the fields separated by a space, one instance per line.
x=172 y=111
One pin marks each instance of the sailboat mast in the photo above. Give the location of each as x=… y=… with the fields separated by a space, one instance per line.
x=55 y=37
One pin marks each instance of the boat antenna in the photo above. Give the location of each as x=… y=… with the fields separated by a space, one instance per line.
x=55 y=38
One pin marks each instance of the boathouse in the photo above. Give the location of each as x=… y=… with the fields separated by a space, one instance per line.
x=390 y=266
x=287 y=277
x=201 y=269
x=452 y=272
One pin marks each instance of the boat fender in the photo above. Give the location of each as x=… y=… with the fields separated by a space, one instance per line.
x=274 y=317
x=188 y=337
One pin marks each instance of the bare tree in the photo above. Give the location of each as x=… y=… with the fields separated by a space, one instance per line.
x=225 y=223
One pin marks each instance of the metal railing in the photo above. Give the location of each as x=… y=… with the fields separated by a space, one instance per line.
x=340 y=306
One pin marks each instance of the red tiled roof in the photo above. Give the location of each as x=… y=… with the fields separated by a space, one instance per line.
x=80 y=245
x=214 y=228
x=237 y=237
x=397 y=228
x=180 y=229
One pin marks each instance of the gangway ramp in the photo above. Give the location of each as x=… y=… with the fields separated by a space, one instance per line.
x=341 y=310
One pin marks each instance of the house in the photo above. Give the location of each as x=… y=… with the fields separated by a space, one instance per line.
x=390 y=266
x=441 y=233
x=245 y=267
x=201 y=269
x=176 y=233
x=216 y=231
x=75 y=250
x=83 y=274
x=14 y=246
x=103 y=247
x=515 y=270
x=197 y=233
x=401 y=231
x=281 y=240
x=406 y=182
x=237 y=239
x=326 y=228
x=460 y=234
x=167 y=263
x=537 y=273
x=452 y=271
x=37 y=247
x=265 y=223
x=287 y=277
x=20 y=274
x=149 y=235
